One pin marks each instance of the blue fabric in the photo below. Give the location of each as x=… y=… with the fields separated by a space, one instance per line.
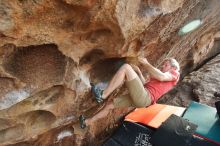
x=207 y=120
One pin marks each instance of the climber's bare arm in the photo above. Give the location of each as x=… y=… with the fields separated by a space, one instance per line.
x=154 y=72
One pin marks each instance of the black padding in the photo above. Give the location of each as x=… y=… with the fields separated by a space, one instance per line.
x=217 y=105
x=175 y=131
x=133 y=134
x=111 y=142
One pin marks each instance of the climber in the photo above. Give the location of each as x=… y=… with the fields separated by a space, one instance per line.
x=143 y=92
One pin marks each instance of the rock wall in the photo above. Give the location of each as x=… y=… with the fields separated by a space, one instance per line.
x=51 y=50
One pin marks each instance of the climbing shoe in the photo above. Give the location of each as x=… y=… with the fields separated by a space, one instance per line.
x=97 y=93
x=82 y=121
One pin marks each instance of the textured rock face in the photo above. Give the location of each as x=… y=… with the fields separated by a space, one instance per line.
x=51 y=50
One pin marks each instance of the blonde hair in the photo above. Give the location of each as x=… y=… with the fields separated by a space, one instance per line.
x=173 y=63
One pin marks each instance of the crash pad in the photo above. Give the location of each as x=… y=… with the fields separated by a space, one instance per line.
x=197 y=141
x=175 y=131
x=207 y=120
x=154 y=115
x=111 y=142
x=131 y=134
